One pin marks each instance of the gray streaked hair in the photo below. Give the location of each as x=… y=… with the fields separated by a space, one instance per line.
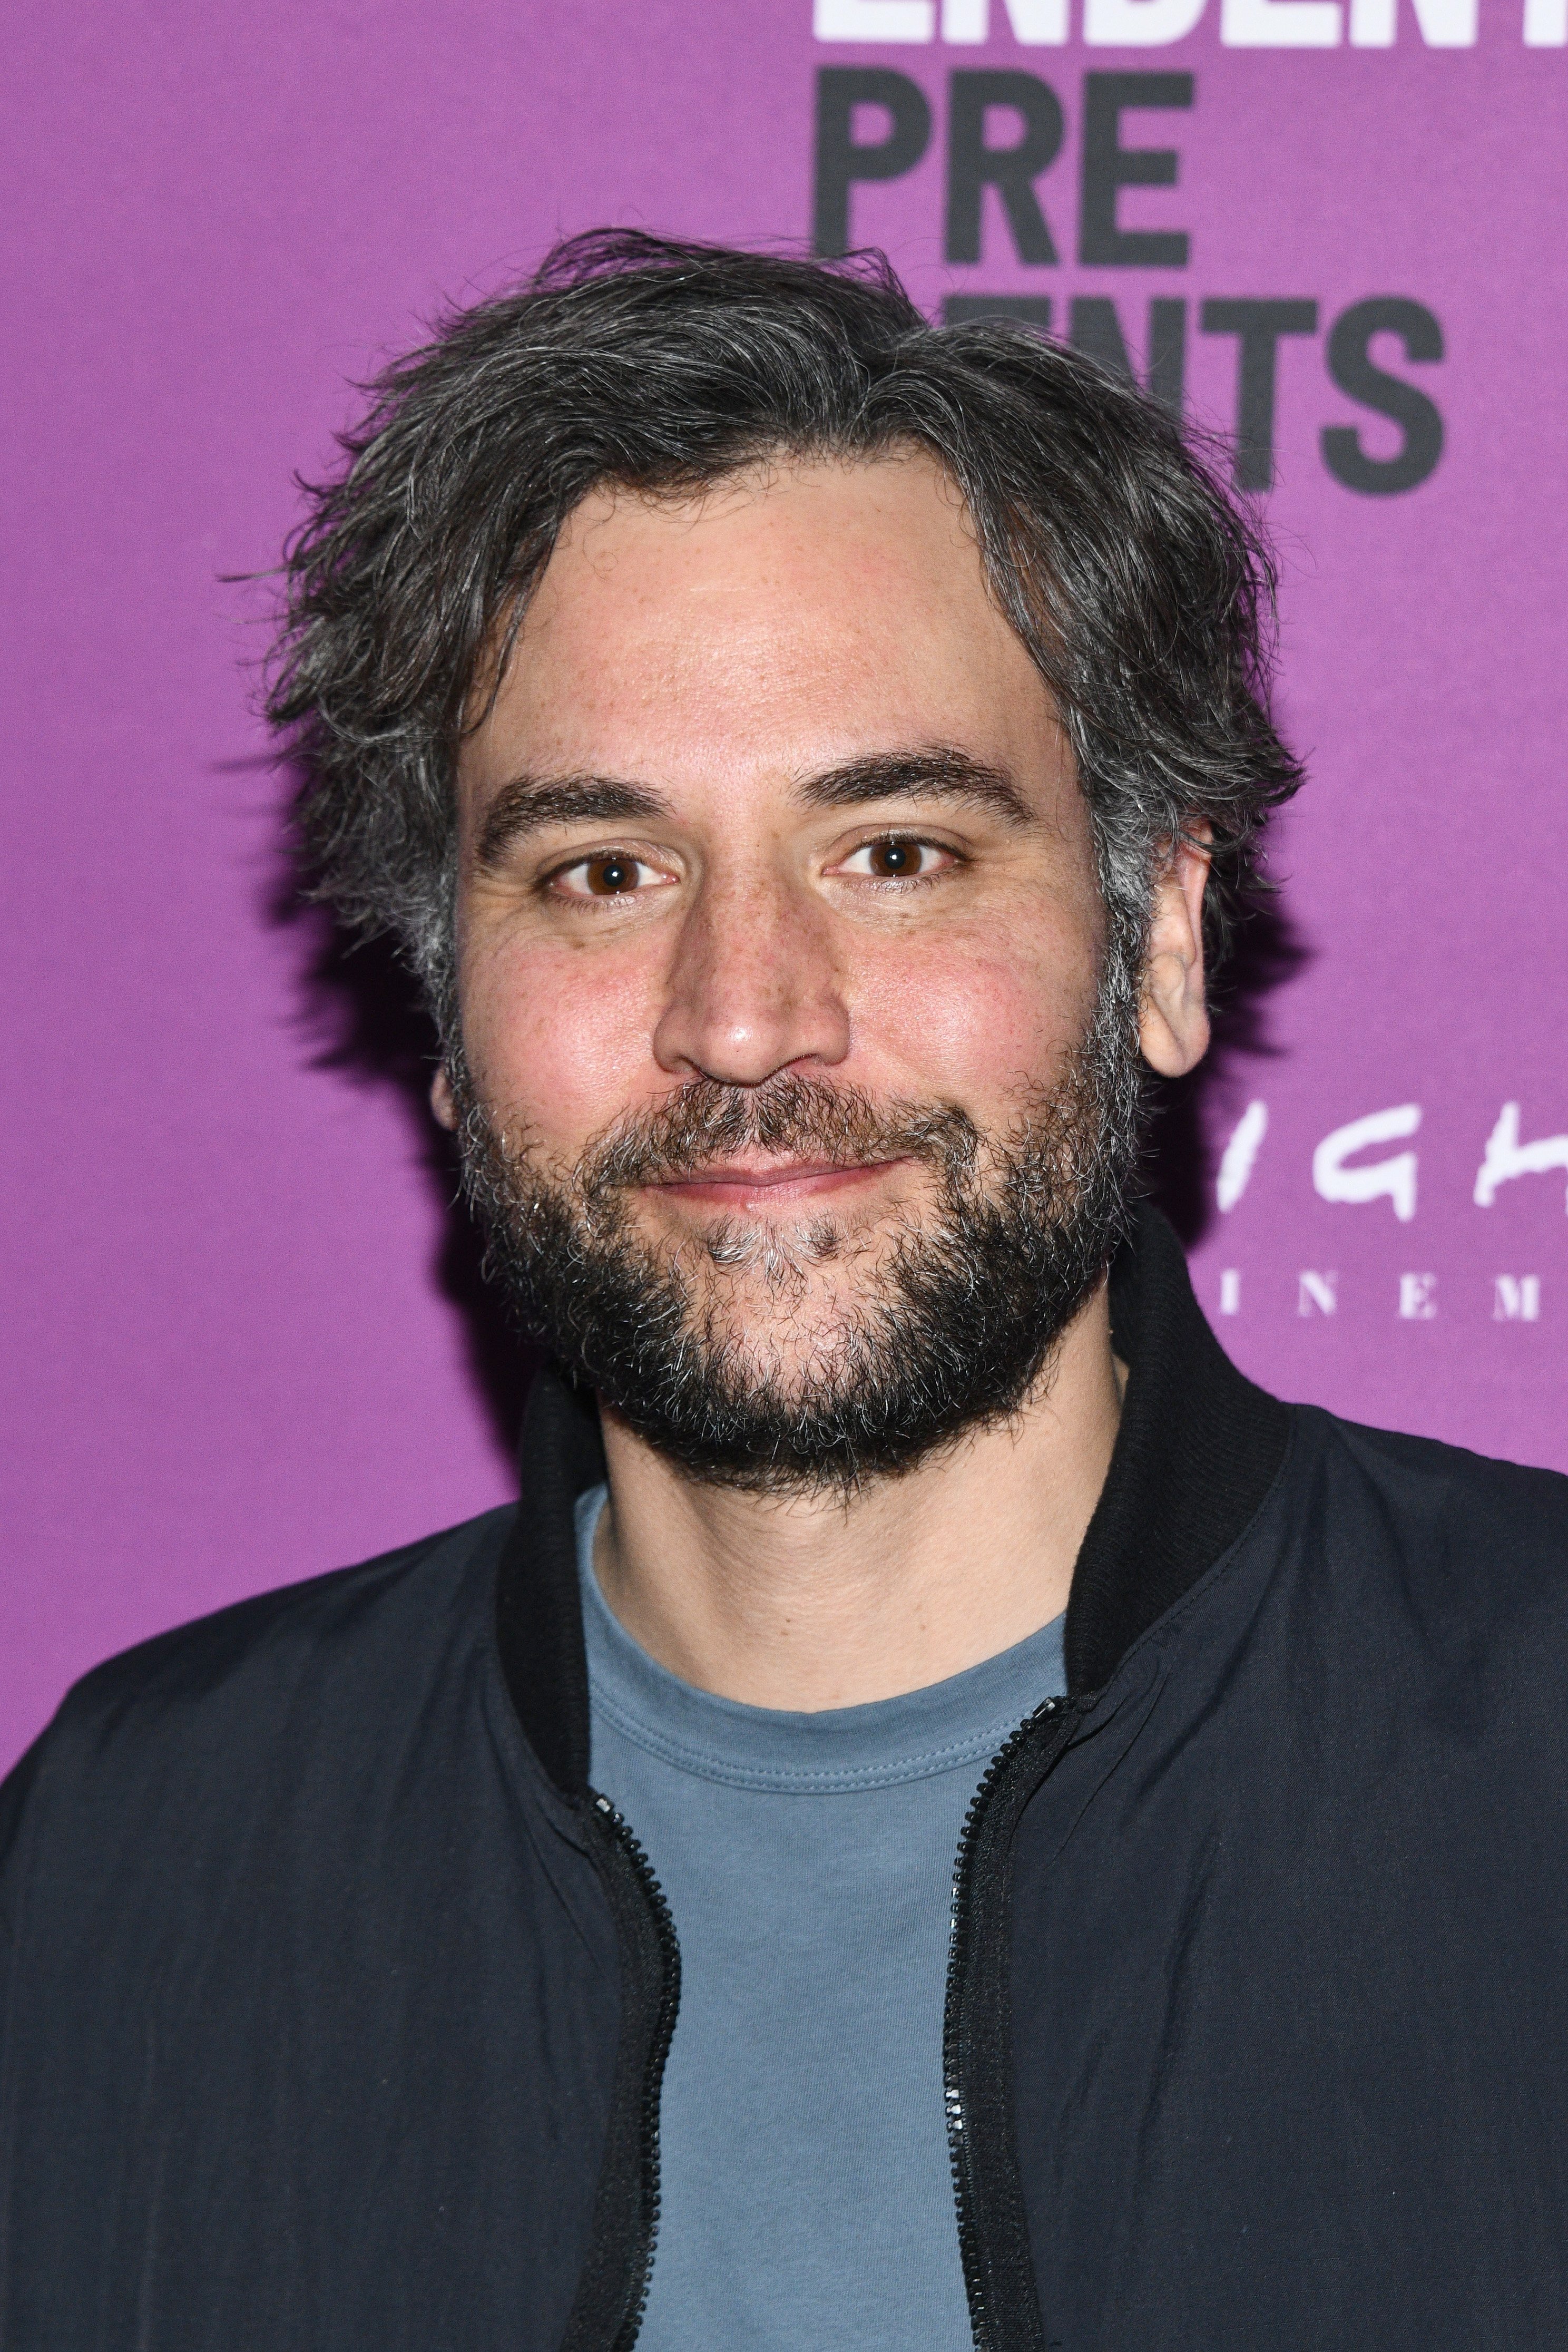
x=1143 y=594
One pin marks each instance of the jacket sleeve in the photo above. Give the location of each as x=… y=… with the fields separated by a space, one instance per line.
x=20 y=1804
x=18 y=1810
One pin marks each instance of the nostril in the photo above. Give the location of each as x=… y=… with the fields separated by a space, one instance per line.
x=747 y=1052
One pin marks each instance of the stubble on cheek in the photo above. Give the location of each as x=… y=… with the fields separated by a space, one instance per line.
x=806 y=1354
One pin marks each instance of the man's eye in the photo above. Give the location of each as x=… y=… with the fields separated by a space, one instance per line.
x=614 y=875
x=896 y=857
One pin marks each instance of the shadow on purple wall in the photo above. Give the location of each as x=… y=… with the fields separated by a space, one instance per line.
x=363 y=1016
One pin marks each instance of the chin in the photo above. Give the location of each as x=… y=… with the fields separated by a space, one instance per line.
x=777 y=1306
x=805 y=1268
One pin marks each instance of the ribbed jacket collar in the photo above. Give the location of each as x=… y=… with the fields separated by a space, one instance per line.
x=1197 y=1451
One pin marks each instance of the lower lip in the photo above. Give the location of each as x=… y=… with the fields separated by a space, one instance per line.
x=758 y=1188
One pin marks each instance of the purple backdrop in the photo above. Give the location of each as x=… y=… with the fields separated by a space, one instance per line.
x=232 y=1360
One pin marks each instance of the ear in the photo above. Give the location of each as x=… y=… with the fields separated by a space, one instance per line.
x=1173 y=1027
x=441 y=1101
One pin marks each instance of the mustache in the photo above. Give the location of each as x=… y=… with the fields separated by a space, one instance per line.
x=801 y=1117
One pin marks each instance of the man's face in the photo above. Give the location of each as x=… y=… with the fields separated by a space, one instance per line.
x=780 y=935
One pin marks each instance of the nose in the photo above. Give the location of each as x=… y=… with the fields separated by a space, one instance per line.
x=753 y=988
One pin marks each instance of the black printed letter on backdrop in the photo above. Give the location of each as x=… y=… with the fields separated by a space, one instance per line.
x=1097 y=330
x=841 y=162
x=973 y=167
x=1257 y=326
x=1351 y=367
x=1018 y=309
x=1109 y=167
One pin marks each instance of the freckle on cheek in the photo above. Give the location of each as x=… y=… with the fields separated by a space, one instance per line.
x=568 y=1059
x=978 y=1022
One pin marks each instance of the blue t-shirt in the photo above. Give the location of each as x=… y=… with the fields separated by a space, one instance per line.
x=806 y=2198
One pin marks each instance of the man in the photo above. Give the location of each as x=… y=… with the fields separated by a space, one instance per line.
x=945 y=1815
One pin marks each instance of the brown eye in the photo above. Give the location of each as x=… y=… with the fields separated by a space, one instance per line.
x=896 y=857
x=607 y=874
x=892 y=859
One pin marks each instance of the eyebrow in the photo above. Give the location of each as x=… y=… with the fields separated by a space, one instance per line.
x=530 y=803
x=941 y=773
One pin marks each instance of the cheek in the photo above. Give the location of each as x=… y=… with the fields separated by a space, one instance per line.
x=974 y=1020
x=556 y=1039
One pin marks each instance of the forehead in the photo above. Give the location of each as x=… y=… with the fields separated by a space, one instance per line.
x=789 y=618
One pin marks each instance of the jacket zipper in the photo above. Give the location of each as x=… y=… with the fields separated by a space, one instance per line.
x=664 y=2028
x=1052 y=1715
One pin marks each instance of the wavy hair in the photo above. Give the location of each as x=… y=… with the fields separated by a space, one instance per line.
x=1143 y=592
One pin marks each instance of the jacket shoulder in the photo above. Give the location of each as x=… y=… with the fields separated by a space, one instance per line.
x=293 y=1623
x=1492 y=1530
x=1514 y=1492
x=222 y=1687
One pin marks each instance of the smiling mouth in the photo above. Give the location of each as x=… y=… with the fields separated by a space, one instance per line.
x=776 y=1183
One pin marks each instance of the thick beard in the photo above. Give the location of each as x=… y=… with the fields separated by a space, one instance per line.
x=950 y=1329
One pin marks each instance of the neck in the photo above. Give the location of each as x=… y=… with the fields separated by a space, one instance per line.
x=810 y=1602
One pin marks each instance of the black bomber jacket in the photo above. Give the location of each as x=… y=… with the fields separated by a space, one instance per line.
x=335 y=2002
